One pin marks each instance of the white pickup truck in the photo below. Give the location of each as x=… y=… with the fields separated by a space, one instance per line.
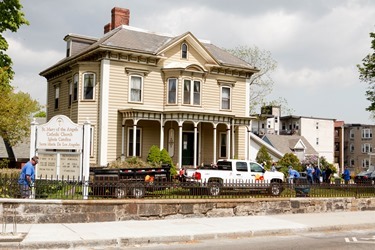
x=239 y=174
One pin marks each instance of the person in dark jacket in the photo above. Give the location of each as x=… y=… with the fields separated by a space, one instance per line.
x=317 y=174
x=328 y=175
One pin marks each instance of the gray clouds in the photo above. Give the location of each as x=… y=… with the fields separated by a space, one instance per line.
x=317 y=43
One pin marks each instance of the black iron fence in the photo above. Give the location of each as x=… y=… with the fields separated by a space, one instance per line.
x=65 y=188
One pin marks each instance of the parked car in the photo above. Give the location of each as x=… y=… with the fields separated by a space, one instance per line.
x=366 y=177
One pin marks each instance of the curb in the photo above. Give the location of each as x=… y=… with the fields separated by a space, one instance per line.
x=134 y=241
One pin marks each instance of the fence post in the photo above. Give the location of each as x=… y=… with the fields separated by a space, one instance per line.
x=86 y=159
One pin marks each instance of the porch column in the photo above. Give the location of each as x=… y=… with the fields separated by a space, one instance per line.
x=233 y=141
x=134 y=138
x=214 y=142
x=228 y=141
x=123 y=142
x=103 y=113
x=161 y=133
x=195 y=145
x=180 y=144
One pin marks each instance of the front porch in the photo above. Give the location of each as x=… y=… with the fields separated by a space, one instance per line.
x=191 y=139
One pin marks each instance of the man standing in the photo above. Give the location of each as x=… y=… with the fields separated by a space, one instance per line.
x=346 y=175
x=27 y=177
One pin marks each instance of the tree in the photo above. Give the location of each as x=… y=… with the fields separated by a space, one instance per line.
x=264 y=157
x=367 y=74
x=156 y=156
x=283 y=103
x=289 y=159
x=41 y=114
x=16 y=110
x=11 y=19
x=153 y=156
x=261 y=83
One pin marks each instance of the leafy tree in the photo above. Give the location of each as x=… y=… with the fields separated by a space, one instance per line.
x=314 y=160
x=156 y=156
x=283 y=103
x=264 y=156
x=367 y=74
x=41 y=114
x=289 y=159
x=15 y=112
x=261 y=83
x=153 y=156
x=11 y=19
x=166 y=159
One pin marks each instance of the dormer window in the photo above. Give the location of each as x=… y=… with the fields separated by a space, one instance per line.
x=184 y=51
x=68 y=48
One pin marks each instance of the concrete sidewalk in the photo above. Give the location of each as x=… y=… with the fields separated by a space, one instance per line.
x=127 y=233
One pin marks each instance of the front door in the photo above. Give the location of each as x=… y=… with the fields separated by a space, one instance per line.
x=188 y=148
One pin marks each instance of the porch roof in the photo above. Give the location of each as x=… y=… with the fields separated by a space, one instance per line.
x=185 y=116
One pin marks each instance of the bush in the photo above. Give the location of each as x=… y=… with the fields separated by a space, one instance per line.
x=264 y=157
x=154 y=156
x=289 y=159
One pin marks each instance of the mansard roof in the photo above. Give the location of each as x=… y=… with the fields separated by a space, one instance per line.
x=129 y=39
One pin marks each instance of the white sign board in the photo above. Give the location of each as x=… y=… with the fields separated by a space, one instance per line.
x=59 y=133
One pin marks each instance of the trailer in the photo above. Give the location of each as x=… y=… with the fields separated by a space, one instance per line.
x=128 y=182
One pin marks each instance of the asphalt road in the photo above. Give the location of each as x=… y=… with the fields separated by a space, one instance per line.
x=361 y=240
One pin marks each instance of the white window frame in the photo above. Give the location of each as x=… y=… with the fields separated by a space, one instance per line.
x=352 y=162
x=351 y=147
x=84 y=96
x=57 y=97
x=366 y=133
x=366 y=148
x=351 y=134
x=366 y=163
x=131 y=88
x=184 y=51
x=129 y=142
x=221 y=136
x=75 y=87
x=228 y=99
x=191 y=93
x=317 y=141
x=169 y=92
x=70 y=95
x=92 y=131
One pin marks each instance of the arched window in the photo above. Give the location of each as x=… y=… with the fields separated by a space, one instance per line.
x=184 y=51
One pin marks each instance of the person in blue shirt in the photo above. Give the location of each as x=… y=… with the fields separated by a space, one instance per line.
x=27 y=177
x=346 y=175
x=293 y=174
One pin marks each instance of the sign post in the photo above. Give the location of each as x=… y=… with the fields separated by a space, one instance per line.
x=63 y=148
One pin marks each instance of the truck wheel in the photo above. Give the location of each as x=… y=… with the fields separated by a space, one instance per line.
x=214 y=188
x=138 y=190
x=275 y=189
x=120 y=192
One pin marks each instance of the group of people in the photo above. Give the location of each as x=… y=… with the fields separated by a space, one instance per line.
x=314 y=174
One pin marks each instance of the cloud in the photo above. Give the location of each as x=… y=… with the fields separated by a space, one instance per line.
x=27 y=63
x=315 y=80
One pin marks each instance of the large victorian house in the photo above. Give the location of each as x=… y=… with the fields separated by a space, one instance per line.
x=140 y=88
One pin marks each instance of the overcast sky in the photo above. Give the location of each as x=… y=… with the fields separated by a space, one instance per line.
x=317 y=43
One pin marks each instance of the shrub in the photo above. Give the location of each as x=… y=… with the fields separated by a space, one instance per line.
x=264 y=157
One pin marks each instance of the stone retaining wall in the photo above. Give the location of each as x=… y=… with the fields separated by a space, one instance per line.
x=75 y=211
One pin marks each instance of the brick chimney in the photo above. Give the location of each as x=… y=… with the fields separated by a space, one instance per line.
x=120 y=17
